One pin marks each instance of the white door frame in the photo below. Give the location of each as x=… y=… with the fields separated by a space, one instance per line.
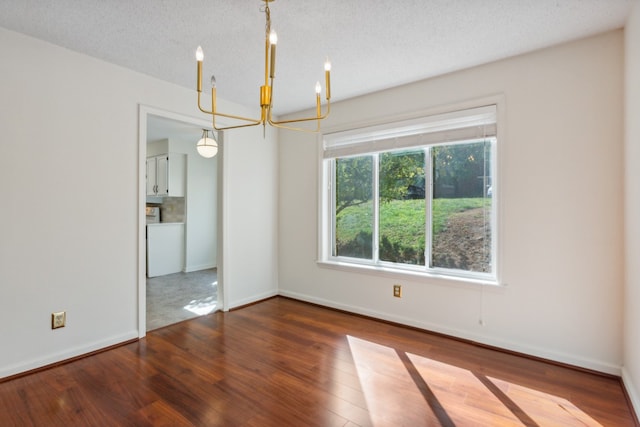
x=143 y=112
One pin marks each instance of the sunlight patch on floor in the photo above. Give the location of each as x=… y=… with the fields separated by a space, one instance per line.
x=387 y=386
x=203 y=306
x=558 y=410
x=392 y=379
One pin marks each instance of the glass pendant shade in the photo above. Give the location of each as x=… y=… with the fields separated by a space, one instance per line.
x=207 y=147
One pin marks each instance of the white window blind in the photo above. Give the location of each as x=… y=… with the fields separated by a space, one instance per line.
x=460 y=125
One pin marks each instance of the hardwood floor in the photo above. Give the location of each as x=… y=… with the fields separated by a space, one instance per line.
x=286 y=363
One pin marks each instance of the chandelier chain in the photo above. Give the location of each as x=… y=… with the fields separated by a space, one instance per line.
x=268 y=21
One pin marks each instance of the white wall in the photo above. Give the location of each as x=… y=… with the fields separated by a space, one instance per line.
x=70 y=217
x=561 y=175
x=201 y=230
x=631 y=370
x=201 y=205
x=254 y=195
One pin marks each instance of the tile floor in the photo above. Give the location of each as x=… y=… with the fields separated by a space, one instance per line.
x=180 y=296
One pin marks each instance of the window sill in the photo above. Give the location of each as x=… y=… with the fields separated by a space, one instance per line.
x=407 y=274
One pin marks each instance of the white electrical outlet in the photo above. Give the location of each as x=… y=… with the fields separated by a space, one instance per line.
x=58 y=319
x=397 y=291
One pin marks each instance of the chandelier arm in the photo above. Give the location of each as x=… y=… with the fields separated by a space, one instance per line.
x=231 y=116
x=301 y=120
x=280 y=126
x=200 y=106
x=285 y=124
x=305 y=119
x=282 y=123
x=233 y=127
x=253 y=122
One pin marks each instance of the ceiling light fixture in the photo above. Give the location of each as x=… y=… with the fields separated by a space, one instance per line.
x=266 y=91
x=207 y=147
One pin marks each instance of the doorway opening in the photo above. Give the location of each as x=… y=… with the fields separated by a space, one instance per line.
x=179 y=269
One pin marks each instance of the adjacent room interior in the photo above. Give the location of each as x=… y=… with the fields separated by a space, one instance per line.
x=181 y=224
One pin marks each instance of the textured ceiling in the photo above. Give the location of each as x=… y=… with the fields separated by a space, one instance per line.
x=373 y=44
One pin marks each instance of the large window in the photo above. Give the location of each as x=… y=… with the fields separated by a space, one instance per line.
x=418 y=196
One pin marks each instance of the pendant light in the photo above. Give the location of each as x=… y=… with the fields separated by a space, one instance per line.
x=207 y=147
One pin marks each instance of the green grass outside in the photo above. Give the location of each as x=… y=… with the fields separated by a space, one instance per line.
x=402 y=222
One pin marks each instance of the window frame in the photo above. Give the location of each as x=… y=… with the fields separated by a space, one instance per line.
x=327 y=199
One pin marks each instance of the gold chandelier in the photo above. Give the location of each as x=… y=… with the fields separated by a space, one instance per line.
x=266 y=90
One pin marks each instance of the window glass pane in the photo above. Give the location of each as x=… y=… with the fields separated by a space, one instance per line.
x=402 y=207
x=354 y=207
x=461 y=207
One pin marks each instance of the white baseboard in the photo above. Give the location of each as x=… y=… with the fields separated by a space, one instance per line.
x=70 y=353
x=632 y=391
x=190 y=268
x=523 y=348
x=252 y=299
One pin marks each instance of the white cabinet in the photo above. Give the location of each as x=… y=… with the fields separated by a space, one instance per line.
x=152 y=176
x=166 y=175
x=165 y=249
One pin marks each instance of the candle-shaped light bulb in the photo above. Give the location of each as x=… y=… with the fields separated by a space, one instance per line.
x=327 y=65
x=273 y=39
x=199 y=58
x=213 y=93
x=318 y=109
x=327 y=77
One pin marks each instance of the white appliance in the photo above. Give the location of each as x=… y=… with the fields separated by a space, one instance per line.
x=165 y=249
x=153 y=214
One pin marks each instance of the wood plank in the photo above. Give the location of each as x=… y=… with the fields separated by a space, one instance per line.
x=283 y=362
